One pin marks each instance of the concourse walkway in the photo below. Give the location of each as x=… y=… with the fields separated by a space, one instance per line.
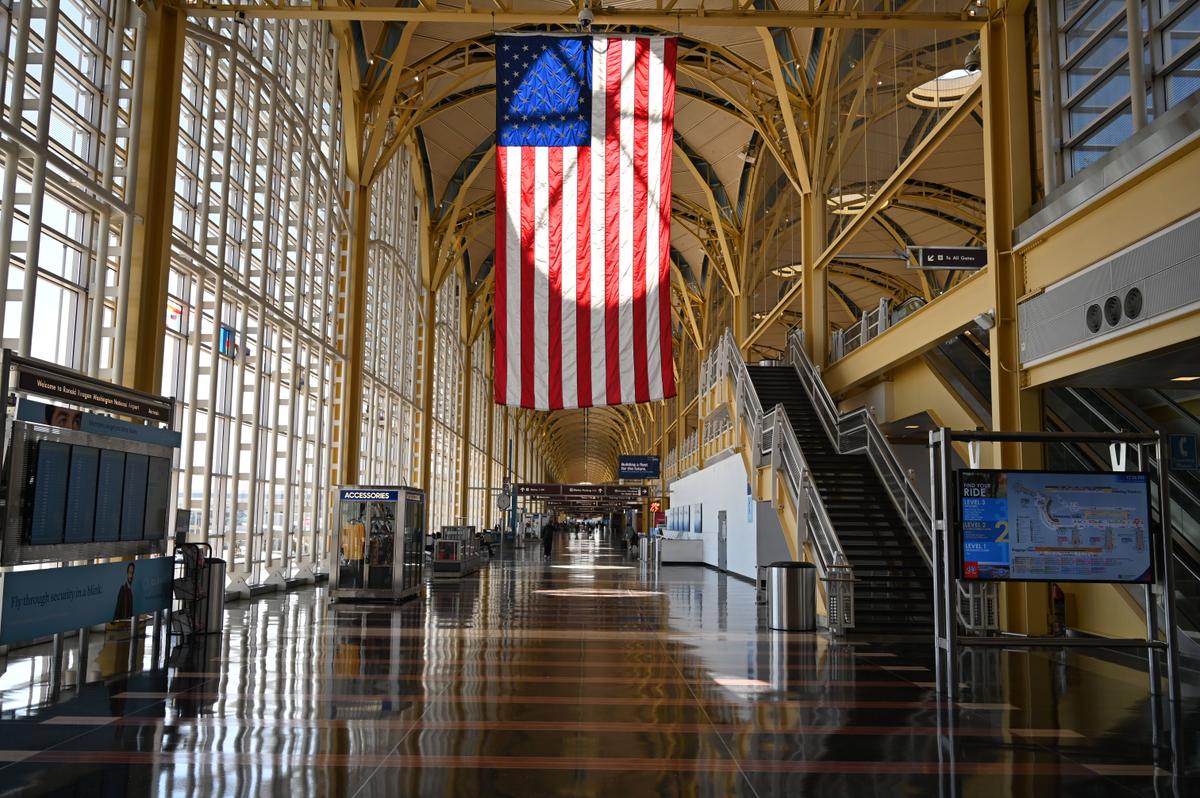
x=580 y=676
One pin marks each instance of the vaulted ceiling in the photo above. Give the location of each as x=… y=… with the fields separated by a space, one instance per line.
x=762 y=112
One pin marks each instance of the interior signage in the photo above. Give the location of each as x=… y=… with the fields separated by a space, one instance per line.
x=638 y=466
x=113 y=400
x=967 y=258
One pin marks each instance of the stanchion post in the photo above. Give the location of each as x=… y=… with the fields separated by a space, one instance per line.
x=1161 y=455
x=81 y=656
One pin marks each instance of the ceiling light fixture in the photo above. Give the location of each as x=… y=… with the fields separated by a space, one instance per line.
x=1186 y=379
x=945 y=90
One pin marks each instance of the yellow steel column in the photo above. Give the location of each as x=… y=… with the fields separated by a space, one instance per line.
x=1007 y=160
x=348 y=408
x=464 y=466
x=158 y=142
x=489 y=460
x=427 y=388
x=700 y=355
x=814 y=291
x=741 y=319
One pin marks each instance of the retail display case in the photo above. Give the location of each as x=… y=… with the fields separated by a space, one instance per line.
x=379 y=551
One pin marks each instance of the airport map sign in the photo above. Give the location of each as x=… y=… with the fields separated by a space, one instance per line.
x=1038 y=526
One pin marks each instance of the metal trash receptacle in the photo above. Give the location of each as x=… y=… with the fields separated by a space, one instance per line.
x=792 y=596
x=215 y=602
x=643 y=549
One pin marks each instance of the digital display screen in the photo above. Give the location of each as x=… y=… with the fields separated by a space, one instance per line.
x=133 y=504
x=158 y=488
x=1039 y=526
x=81 y=496
x=51 y=461
x=110 y=484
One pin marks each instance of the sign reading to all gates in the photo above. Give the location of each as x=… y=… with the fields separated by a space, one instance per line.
x=969 y=258
x=638 y=466
x=1184 y=455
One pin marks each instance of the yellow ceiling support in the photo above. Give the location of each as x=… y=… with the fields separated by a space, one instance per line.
x=680 y=20
x=803 y=183
x=879 y=200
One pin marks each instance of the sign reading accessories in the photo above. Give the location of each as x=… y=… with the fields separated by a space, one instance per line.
x=360 y=495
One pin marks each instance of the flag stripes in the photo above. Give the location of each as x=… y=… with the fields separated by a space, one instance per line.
x=582 y=314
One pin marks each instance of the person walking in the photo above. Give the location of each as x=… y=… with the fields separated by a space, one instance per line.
x=547 y=539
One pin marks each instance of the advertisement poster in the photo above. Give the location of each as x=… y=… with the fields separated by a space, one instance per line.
x=637 y=466
x=41 y=413
x=50 y=600
x=1055 y=527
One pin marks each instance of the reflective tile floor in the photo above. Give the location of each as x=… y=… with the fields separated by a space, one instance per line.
x=582 y=676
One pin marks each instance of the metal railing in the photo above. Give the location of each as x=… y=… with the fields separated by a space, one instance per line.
x=774 y=442
x=870 y=325
x=858 y=432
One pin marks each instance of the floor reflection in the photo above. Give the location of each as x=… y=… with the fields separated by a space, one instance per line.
x=582 y=676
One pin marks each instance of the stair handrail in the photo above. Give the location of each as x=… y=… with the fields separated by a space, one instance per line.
x=771 y=436
x=726 y=360
x=909 y=502
x=788 y=458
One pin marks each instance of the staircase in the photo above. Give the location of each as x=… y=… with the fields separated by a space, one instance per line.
x=893 y=592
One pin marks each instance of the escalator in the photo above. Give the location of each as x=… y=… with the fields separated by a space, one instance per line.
x=963 y=363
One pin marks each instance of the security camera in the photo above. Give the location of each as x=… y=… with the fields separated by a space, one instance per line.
x=586 y=17
x=973 y=63
x=986 y=320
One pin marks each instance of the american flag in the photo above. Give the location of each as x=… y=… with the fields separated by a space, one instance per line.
x=583 y=220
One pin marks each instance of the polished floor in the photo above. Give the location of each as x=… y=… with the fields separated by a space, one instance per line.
x=581 y=676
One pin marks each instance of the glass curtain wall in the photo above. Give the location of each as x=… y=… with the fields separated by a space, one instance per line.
x=393 y=313
x=251 y=316
x=70 y=85
x=1093 y=69
x=447 y=408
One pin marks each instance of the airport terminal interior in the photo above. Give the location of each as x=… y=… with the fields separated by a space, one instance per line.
x=855 y=455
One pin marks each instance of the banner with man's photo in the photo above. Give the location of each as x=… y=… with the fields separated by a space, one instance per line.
x=46 y=601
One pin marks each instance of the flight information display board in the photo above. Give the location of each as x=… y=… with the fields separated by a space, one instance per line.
x=1040 y=526
x=81 y=494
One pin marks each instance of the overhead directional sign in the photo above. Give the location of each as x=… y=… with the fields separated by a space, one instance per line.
x=969 y=258
x=548 y=490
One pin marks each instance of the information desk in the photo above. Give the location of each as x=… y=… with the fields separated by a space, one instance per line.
x=379 y=546
x=682 y=550
x=456 y=553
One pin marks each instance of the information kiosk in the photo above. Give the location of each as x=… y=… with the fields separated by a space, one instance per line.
x=456 y=553
x=378 y=551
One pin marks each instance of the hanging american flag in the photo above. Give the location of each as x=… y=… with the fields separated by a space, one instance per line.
x=583 y=220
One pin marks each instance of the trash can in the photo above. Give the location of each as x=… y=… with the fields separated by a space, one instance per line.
x=651 y=552
x=792 y=596
x=643 y=550
x=214 y=609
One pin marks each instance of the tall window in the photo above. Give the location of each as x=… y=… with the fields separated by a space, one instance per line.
x=392 y=322
x=1094 y=58
x=251 y=313
x=70 y=84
